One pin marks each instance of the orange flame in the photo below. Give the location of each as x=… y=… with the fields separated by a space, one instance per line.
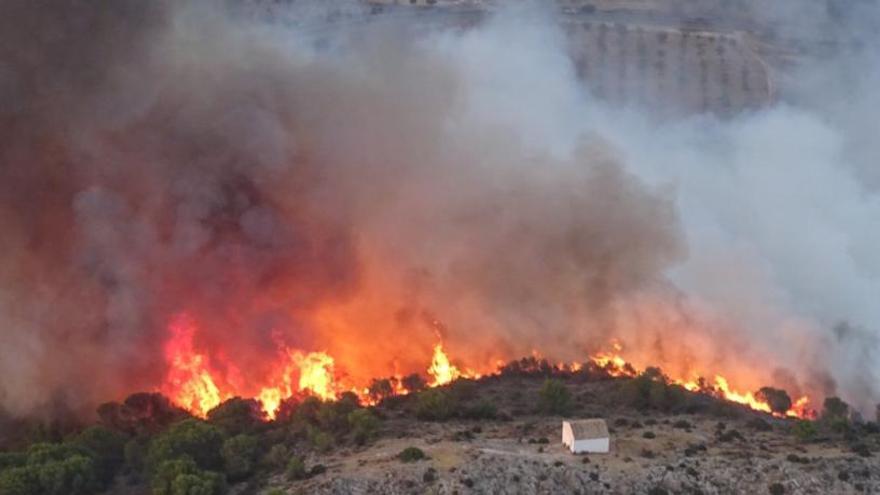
x=192 y=384
x=441 y=369
x=189 y=383
x=617 y=366
x=315 y=371
x=316 y=374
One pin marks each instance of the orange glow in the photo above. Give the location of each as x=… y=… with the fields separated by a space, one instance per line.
x=270 y=398
x=441 y=369
x=315 y=371
x=316 y=374
x=194 y=384
x=189 y=383
x=614 y=364
x=747 y=399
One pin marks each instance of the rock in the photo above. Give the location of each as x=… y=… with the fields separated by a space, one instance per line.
x=430 y=475
x=861 y=449
x=759 y=424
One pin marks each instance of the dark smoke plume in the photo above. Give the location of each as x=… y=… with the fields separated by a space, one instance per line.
x=160 y=157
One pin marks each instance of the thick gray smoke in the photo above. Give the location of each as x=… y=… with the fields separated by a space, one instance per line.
x=159 y=159
x=358 y=188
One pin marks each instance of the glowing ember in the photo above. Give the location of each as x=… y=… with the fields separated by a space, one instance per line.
x=441 y=369
x=188 y=383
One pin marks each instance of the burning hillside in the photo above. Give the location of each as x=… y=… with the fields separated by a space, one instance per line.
x=195 y=383
x=212 y=205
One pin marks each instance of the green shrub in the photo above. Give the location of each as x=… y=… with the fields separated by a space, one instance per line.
x=483 y=409
x=141 y=413
x=833 y=408
x=200 y=483
x=277 y=457
x=411 y=454
x=51 y=469
x=238 y=416
x=380 y=388
x=191 y=438
x=307 y=411
x=43 y=453
x=672 y=399
x=363 y=424
x=296 y=469
x=240 y=456
x=651 y=390
x=839 y=425
x=434 y=405
x=554 y=397
x=167 y=471
x=135 y=454
x=74 y=475
x=777 y=399
x=347 y=402
x=332 y=418
x=183 y=477
x=414 y=382
x=41 y=432
x=805 y=431
x=656 y=394
x=463 y=389
x=22 y=480
x=12 y=459
x=107 y=448
x=320 y=440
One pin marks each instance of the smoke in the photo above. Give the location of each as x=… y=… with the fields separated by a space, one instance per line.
x=368 y=186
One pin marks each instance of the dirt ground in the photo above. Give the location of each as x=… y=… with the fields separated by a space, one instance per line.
x=650 y=453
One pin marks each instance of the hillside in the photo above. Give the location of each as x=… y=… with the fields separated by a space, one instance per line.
x=718 y=448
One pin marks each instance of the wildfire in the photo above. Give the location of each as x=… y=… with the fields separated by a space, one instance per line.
x=189 y=383
x=613 y=362
x=315 y=371
x=316 y=374
x=441 y=369
x=617 y=366
x=193 y=384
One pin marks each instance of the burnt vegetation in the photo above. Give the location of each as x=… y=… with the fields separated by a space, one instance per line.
x=147 y=441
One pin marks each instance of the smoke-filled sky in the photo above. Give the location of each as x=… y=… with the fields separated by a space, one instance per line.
x=365 y=188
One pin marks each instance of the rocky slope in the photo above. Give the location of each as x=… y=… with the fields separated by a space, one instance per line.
x=716 y=449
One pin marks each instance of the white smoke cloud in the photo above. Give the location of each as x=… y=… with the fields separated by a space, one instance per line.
x=778 y=205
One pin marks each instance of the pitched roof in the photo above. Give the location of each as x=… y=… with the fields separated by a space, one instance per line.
x=589 y=428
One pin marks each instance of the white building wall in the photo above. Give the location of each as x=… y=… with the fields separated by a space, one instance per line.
x=593 y=445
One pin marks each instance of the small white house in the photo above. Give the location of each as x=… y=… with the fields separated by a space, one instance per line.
x=586 y=436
